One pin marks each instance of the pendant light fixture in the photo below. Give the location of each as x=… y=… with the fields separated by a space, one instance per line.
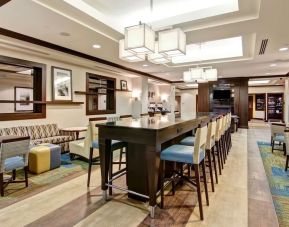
x=172 y=42
x=158 y=58
x=129 y=56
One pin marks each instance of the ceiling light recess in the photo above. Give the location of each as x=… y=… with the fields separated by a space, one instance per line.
x=129 y=56
x=283 y=49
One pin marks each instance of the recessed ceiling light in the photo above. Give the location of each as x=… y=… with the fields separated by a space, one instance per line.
x=253 y=82
x=145 y=65
x=167 y=74
x=64 y=34
x=96 y=46
x=268 y=73
x=283 y=49
x=273 y=65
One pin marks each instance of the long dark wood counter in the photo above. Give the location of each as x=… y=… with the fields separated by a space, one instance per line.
x=146 y=137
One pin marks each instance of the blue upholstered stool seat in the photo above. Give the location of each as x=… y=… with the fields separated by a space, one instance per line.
x=180 y=153
x=189 y=141
x=279 y=138
x=13 y=163
x=115 y=144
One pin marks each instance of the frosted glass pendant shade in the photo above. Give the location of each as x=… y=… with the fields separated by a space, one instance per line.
x=139 y=39
x=172 y=42
x=197 y=73
x=158 y=58
x=211 y=75
x=127 y=55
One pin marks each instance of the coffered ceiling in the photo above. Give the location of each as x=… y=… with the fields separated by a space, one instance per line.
x=209 y=24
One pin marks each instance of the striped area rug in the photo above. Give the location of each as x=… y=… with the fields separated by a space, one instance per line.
x=41 y=182
x=278 y=178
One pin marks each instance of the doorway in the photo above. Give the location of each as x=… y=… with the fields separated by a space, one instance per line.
x=250 y=107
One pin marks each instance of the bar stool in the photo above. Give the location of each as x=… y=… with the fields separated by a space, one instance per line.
x=218 y=143
x=188 y=155
x=115 y=145
x=190 y=141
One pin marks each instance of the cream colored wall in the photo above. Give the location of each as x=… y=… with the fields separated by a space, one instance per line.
x=67 y=116
x=188 y=101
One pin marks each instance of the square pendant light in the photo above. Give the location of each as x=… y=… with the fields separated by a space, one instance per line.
x=197 y=73
x=158 y=58
x=172 y=42
x=139 y=39
x=211 y=74
x=129 y=56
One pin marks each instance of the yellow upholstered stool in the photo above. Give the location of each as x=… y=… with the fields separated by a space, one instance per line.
x=44 y=157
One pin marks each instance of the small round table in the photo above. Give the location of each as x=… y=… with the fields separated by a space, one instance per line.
x=76 y=130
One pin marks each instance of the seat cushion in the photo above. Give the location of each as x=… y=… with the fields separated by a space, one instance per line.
x=180 y=153
x=189 y=141
x=115 y=144
x=13 y=163
x=279 y=138
x=53 y=140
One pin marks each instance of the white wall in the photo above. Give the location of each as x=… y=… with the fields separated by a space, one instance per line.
x=188 y=101
x=67 y=116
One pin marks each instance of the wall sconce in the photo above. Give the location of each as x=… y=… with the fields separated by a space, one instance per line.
x=164 y=97
x=136 y=94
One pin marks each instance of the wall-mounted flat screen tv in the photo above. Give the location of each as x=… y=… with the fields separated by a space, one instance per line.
x=222 y=94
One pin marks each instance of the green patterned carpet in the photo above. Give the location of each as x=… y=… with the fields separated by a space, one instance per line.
x=38 y=183
x=278 y=179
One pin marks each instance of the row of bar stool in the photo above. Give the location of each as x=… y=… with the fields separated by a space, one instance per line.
x=212 y=139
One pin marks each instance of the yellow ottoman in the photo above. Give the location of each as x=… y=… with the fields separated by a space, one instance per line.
x=44 y=157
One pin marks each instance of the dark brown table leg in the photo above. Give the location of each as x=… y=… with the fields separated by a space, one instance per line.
x=153 y=160
x=104 y=155
x=77 y=135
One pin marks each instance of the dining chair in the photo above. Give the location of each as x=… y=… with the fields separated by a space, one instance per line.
x=194 y=155
x=277 y=135
x=13 y=156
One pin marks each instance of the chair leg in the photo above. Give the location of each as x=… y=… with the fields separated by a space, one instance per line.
x=220 y=153
x=120 y=158
x=215 y=165
x=162 y=167
x=196 y=167
x=110 y=171
x=284 y=148
x=1 y=184
x=219 y=158
x=205 y=182
x=26 y=175
x=89 y=166
x=211 y=170
x=273 y=146
x=14 y=174
x=173 y=181
x=287 y=163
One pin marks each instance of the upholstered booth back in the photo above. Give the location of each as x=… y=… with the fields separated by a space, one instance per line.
x=200 y=143
x=211 y=134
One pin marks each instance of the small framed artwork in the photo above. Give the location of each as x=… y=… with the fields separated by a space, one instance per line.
x=23 y=94
x=123 y=85
x=61 y=84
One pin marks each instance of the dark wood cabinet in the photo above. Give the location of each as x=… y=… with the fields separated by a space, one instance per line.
x=275 y=106
x=100 y=94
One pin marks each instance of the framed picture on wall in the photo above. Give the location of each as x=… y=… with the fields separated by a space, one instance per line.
x=23 y=94
x=61 y=84
x=123 y=85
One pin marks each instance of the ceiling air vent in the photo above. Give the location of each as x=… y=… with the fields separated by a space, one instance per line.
x=263 y=46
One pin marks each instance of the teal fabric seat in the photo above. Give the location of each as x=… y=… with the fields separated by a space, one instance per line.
x=115 y=144
x=180 y=153
x=13 y=163
x=279 y=138
x=189 y=141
